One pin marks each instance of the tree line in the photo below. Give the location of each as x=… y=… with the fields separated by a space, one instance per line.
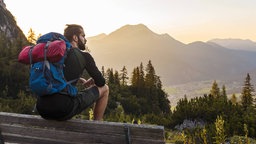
x=200 y=114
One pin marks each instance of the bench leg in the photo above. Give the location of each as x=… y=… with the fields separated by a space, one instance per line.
x=127 y=134
x=1 y=138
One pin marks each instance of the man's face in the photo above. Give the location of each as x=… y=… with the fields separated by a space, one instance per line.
x=81 y=40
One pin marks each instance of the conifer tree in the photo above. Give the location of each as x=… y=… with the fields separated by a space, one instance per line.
x=150 y=75
x=158 y=83
x=110 y=76
x=233 y=99
x=224 y=93
x=116 y=78
x=215 y=91
x=247 y=93
x=124 y=76
x=141 y=80
x=246 y=134
x=31 y=36
x=219 y=130
x=152 y=92
x=135 y=76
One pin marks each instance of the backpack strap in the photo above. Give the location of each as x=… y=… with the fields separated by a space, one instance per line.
x=66 y=91
x=46 y=49
x=71 y=81
x=30 y=54
x=46 y=63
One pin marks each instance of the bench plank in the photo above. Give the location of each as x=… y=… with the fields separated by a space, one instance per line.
x=30 y=128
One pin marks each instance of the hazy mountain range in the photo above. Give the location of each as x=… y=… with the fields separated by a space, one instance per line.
x=183 y=68
x=174 y=61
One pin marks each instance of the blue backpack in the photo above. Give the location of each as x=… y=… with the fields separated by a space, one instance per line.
x=47 y=78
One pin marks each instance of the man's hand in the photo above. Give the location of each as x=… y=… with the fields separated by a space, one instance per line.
x=87 y=83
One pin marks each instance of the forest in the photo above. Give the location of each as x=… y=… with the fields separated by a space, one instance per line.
x=139 y=98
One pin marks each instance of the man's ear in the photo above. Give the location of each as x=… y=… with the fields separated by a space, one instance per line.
x=75 y=38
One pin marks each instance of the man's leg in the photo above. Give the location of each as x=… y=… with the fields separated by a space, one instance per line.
x=101 y=103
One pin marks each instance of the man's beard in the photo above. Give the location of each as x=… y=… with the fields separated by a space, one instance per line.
x=81 y=45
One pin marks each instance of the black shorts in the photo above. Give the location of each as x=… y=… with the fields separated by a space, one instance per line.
x=63 y=107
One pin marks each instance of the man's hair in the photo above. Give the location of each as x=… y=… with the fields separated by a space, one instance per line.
x=71 y=30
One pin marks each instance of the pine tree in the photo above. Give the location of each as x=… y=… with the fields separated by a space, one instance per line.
x=141 y=79
x=215 y=91
x=247 y=93
x=224 y=94
x=150 y=78
x=31 y=36
x=110 y=76
x=219 y=130
x=116 y=78
x=158 y=83
x=152 y=92
x=233 y=99
x=135 y=76
x=124 y=76
x=246 y=134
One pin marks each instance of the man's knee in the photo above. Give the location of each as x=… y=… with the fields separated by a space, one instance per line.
x=104 y=90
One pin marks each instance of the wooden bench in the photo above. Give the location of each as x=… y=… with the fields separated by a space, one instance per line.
x=21 y=128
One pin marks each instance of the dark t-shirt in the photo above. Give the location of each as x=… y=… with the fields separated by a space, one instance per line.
x=78 y=61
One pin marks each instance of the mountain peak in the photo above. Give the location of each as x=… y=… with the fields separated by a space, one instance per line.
x=135 y=27
x=138 y=34
x=129 y=31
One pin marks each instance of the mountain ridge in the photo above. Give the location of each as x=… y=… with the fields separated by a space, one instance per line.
x=13 y=75
x=175 y=62
x=237 y=44
x=8 y=26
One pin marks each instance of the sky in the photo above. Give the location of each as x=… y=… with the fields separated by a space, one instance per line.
x=185 y=20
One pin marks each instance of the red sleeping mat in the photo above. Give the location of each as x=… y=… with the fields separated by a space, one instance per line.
x=55 y=51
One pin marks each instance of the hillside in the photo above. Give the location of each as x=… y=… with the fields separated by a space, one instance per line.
x=13 y=76
x=8 y=26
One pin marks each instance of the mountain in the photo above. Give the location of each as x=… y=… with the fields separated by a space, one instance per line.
x=98 y=37
x=174 y=61
x=237 y=44
x=131 y=45
x=8 y=25
x=13 y=75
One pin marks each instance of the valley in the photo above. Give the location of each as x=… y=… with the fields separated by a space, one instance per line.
x=198 y=89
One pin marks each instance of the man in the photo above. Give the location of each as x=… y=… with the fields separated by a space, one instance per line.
x=61 y=106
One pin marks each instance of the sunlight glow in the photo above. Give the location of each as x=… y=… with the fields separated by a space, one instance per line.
x=184 y=20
